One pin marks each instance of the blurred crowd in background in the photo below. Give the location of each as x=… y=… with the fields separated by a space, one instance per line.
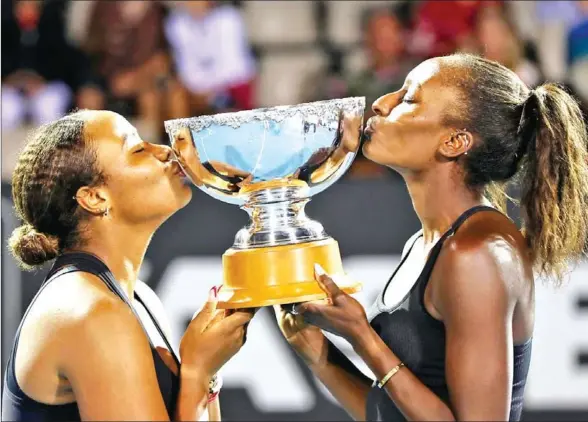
x=157 y=60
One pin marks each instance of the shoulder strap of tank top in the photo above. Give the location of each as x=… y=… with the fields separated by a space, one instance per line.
x=434 y=254
x=159 y=329
x=412 y=241
x=467 y=214
x=89 y=263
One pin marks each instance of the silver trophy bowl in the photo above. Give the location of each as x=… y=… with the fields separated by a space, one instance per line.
x=270 y=162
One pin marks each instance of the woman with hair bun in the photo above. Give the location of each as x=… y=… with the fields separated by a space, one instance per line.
x=93 y=344
x=449 y=337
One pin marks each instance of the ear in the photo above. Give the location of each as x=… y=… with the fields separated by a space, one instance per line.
x=458 y=143
x=94 y=200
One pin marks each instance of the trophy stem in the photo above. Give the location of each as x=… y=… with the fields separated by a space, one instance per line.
x=277 y=217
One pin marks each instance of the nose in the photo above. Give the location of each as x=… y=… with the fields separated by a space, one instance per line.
x=162 y=152
x=384 y=105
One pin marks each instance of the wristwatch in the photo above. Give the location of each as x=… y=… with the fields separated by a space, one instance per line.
x=214 y=387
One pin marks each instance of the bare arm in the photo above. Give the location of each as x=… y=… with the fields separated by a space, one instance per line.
x=344 y=381
x=154 y=303
x=476 y=311
x=110 y=366
x=109 y=363
x=347 y=384
x=476 y=308
x=341 y=377
x=214 y=412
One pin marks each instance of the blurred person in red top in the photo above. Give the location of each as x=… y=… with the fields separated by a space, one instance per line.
x=387 y=64
x=385 y=34
x=386 y=67
x=43 y=75
x=128 y=45
x=497 y=40
x=443 y=27
x=212 y=56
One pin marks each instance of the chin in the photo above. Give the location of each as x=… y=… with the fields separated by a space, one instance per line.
x=379 y=156
x=179 y=199
x=368 y=152
x=185 y=196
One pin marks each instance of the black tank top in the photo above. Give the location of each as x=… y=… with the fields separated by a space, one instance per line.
x=17 y=406
x=418 y=340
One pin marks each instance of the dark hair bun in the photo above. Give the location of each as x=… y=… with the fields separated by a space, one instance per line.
x=32 y=248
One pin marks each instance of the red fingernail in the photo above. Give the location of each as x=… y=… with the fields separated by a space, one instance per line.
x=212 y=293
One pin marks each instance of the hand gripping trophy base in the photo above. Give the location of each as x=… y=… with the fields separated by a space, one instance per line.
x=272 y=260
x=280 y=274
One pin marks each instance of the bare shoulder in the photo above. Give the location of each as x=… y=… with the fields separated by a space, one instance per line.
x=486 y=256
x=490 y=238
x=73 y=315
x=83 y=311
x=71 y=299
x=105 y=355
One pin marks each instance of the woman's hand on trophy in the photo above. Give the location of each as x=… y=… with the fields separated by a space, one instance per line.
x=213 y=337
x=307 y=340
x=339 y=314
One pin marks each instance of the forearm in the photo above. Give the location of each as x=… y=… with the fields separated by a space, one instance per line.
x=193 y=395
x=410 y=395
x=345 y=382
x=214 y=413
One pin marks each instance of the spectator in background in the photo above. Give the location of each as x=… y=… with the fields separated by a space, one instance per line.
x=385 y=36
x=386 y=63
x=127 y=42
x=212 y=56
x=556 y=20
x=497 y=40
x=384 y=71
x=42 y=74
x=578 y=52
x=443 y=27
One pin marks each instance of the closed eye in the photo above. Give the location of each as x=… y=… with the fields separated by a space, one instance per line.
x=138 y=150
x=407 y=99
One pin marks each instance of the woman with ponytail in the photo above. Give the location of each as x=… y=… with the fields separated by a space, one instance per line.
x=450 y=335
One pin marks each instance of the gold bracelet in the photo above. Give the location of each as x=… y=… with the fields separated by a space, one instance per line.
x=390 y=375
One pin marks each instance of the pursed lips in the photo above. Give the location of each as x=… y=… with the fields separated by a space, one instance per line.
x=177 y=169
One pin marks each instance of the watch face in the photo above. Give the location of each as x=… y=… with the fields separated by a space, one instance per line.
x=215 y=384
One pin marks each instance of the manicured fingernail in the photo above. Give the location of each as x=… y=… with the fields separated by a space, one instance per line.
x=212 y=293
x=318 y=270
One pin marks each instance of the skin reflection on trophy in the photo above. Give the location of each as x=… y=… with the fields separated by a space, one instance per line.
x=325 y=162
x=222 y=176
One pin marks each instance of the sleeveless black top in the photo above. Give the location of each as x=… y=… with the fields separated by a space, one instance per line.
x=418 y=340
x=17 y=406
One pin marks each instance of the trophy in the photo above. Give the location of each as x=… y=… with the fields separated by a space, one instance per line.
x=270 y=162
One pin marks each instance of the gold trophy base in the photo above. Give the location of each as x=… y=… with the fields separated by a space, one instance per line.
x=274 y=275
